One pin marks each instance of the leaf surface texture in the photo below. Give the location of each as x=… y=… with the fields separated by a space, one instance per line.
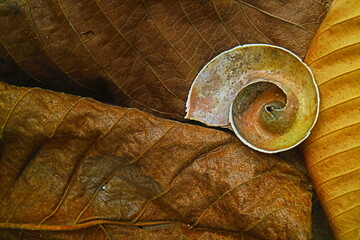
x=333 y=150
x=145 y=54
x=72 y=168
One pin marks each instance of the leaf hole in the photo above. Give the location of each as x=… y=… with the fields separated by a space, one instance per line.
x=88 y=33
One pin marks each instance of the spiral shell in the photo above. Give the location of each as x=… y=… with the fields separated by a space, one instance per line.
x=264 y=93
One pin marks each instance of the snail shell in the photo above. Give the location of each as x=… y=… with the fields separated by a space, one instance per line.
x=264 y=93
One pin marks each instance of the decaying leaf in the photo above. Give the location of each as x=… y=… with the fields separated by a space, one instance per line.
x=332 y=151
x=74 y=166
x=146 y=52
x=103 y=232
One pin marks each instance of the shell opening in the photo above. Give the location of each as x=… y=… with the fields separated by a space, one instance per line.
x=272 y=116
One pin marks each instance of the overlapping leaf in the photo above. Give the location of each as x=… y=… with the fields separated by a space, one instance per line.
x=103 y=232
x=146 y=52
x=332 y=151
x=70 y=163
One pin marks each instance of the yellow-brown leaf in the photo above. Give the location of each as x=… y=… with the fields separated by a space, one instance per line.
x=333 y=150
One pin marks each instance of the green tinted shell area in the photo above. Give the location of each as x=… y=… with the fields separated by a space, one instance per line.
x=279 y=102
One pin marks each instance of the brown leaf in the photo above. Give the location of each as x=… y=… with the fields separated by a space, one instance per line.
x=103 y=232
x=147 y=52
x=72 y=164
x=172 y=232
x=332 y=151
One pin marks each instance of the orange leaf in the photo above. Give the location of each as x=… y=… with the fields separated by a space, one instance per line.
x=333 y=150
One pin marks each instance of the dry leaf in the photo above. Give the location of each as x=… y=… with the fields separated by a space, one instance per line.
x=103 y=232
x=70 y=163
x=333 y=150
x=146 y=52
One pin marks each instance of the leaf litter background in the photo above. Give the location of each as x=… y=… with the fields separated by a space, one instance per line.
x=63 y=165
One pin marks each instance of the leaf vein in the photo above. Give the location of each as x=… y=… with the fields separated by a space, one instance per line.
x=98 y=64
x=341 y=195
x=344 y=212
x=339 y=104
x=338 y=76
x=25 y=70
x=105 y=231
x=335 y=51
x=141 y=57
x=12 y=112
x=47 y=52
x=72 y=179
x=338 y=23
x=172 y=46
x=333 y=155
x=175 y=177
x=228 y=192
x=118 y=168
x=273 y=16
x=271 y=213
x=330 y=133
x=336 y=177
x=351 y=230
x=254 y=26
x=193 y=26
x=223 y=23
